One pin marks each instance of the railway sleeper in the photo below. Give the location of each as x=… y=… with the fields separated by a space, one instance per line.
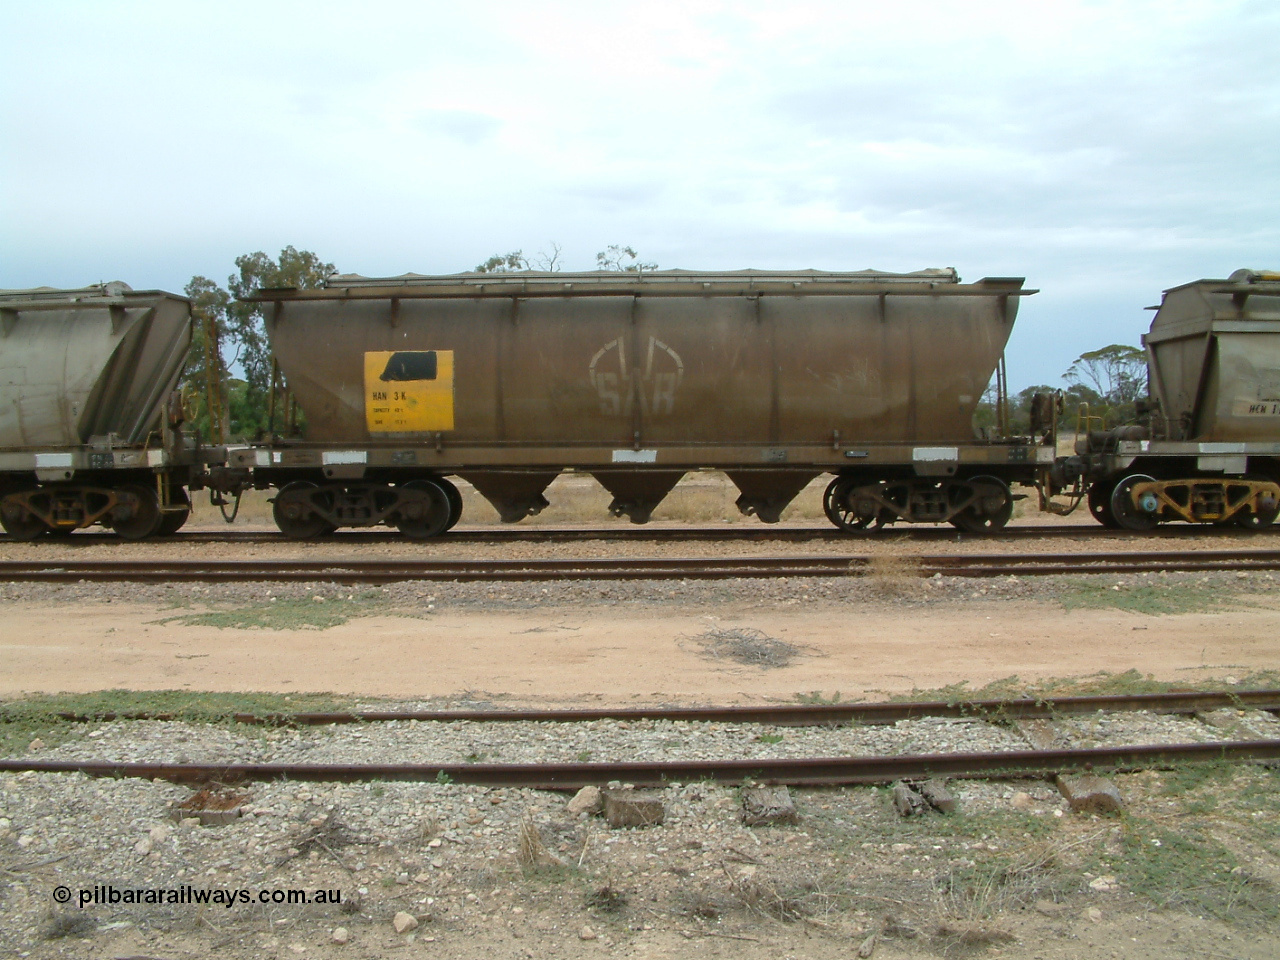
x=1251 y=502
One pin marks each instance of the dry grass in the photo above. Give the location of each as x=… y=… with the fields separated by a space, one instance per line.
x=532 y=854
x=745 y=645
x=896 y=578
x=327 y=834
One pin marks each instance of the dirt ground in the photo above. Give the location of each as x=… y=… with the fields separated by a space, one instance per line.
x=565 y=654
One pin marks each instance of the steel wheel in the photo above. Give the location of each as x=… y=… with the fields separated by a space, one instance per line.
x=1263 y=518
x=171 y=523
x=293 y=512
x=988 y=512
x=835 y=504
x=455 y=501
x=429 y=517
x=137 y=515
x=20 y=523
x=1129 y=515
x=1100 y=503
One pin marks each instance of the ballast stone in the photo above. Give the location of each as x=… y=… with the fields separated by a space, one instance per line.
x=404 y=922
x=586 y=800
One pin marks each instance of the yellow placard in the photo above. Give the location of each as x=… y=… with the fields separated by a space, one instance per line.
x=408 y=391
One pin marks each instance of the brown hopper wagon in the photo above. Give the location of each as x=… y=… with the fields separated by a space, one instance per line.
x=507 y=380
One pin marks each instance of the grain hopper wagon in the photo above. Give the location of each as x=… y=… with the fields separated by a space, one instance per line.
x=88 y=434
x=1207 y=448
x=507 y=380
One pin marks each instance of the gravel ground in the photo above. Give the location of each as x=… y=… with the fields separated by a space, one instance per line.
x=598 y=741
x=450 y=855
x=893 y=584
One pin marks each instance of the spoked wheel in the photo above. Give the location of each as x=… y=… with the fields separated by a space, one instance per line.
x=835 y=504
x=20 y=523
x=990 y=511
x=428 y=516
x=455 y=501
x=1263 y=517
x=294 y=514
x=1131 y=516
x=137 y=514
x=1100 y=503
x=171 y=522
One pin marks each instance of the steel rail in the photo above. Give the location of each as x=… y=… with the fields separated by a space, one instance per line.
x=823 y=771
x=680 y=535
x=793 y=714
x=647 y=568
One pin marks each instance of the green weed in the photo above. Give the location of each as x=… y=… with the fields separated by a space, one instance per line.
x=815 y=697
x=1157 y=599
x=1188 y=868
x=1094 y=684
x=1193 y=776
x=59 y=717
x=290 y=614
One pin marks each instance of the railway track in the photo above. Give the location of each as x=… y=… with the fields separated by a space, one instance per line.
x=787 y=714
x=809 y=771
x=713 y=568
x=649 y=534
x=820 y=771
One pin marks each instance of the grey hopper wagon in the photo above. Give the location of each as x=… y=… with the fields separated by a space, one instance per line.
x=87 y=433
x=1207 y=448
x=506 y=380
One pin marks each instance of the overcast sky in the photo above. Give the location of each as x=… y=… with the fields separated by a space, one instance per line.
x=1105 y=151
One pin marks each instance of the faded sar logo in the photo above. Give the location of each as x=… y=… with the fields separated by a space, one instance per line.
x=649 y=381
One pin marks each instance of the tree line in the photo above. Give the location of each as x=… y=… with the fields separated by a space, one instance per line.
x=1110 y=380
x=230 y=360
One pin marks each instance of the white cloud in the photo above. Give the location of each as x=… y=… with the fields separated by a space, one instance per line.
x=1103 y=150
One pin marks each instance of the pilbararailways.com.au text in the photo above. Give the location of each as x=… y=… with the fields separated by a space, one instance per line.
x=109 y=895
